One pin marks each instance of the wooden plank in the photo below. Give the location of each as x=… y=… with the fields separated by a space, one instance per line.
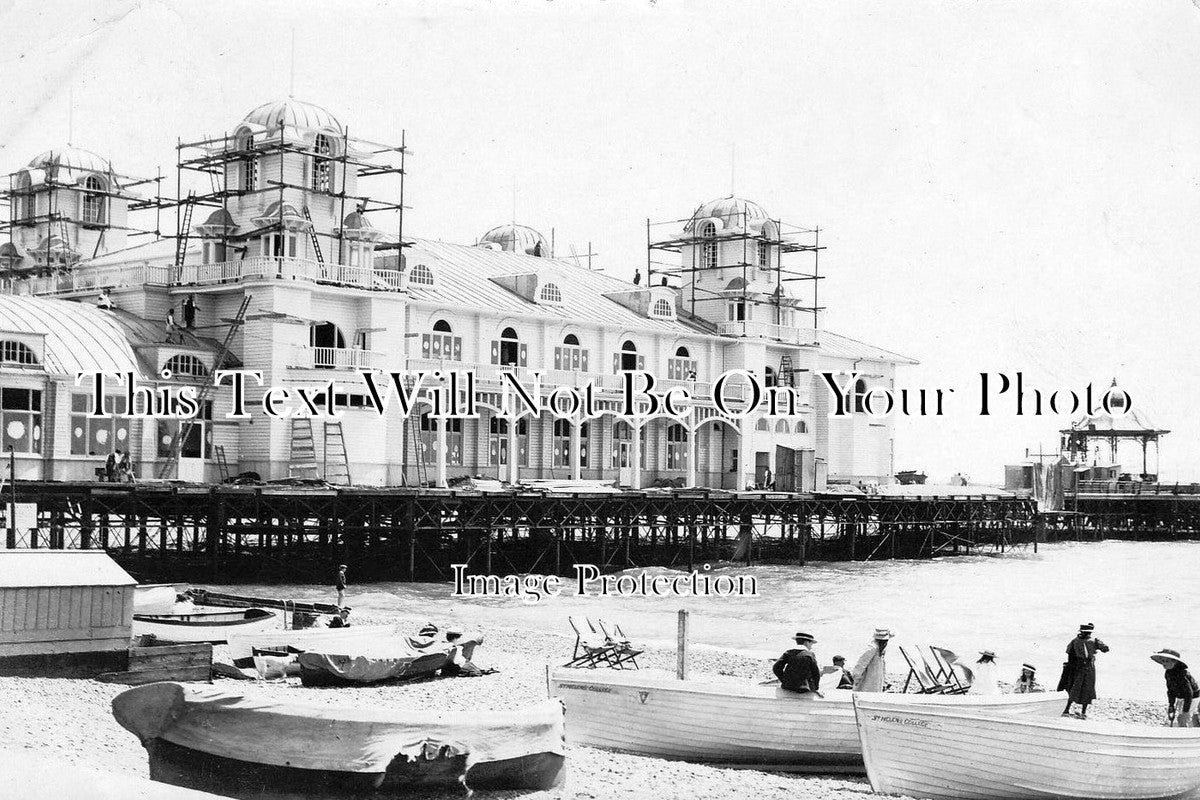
x=151 y=658
x=203 y=673
x=198 y=647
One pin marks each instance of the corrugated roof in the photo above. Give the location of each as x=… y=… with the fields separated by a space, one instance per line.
x=40 y=568
x=463 y=273
x=78 y=337
x=73 y=159
x=839 y=346
x=154 y=251
x=293 y=113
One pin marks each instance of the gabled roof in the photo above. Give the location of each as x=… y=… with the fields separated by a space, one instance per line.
x=839 y=346
x=42 y=568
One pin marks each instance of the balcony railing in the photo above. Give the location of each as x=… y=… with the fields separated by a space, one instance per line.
x=85 y=279
x=339 y=358
x=767 y=330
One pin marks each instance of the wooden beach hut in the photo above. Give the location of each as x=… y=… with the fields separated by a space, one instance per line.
x=63 y=607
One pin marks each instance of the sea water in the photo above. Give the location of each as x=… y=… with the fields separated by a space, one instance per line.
x=1025 y=606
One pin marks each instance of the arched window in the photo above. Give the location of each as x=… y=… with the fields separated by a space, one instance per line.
x=442 y=343
x=770 y=379
x=249 y=164
x=860 y=395
x=708 y=250
x=325 y=339
x=23 y=205
x=801 y=427
x=682 y=352
x=551 y=294
x=510 y=348
x=629 y=357
x=682 y=367
x=763 y=425
x=421 y=275
x=93 y=200
x=17 y=353
x=441 y=326
x=662 y=308
x=571 y=339
x=781 y=426
x=677 y=448
x=321 y=171
x=185 y=366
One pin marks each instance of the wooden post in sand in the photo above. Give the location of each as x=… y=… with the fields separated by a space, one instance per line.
x=681 y=646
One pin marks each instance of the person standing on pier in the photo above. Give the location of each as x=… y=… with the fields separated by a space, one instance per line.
x=870 y=673
x=1182 y=690
x=340 y=584
x=797 y=669
x=1080 y=672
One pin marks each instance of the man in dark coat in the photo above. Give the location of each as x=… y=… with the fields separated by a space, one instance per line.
x=1081 y=669
x=797 y=669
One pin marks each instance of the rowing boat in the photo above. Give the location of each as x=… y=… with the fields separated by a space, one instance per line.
x=942 y=752
x=726 y=722
x=212 y=627
x=207 y=597
x=242 y=644
x=208 y=738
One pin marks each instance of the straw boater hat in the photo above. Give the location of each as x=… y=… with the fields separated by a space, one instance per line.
x=805 y=637
x=1164 y=656
x=1029 y=667
x=882 y=634
x=1087 y=627
x=987 y=653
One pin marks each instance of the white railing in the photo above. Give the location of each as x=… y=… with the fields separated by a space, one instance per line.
x=337 y=358
x=83 y=279
x=767 y=330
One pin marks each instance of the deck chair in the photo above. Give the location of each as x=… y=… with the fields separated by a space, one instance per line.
x=917 y=668
x=591 y=648
x=956 y=675
x=942 y=661
x=624 y=650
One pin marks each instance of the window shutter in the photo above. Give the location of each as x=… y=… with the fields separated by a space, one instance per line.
x=425 y=345
x=495 y=352
x=583 y=360
x=671 y=369
x=641 y=363
x=522 y=357
x=458 y=348
x=437 y=347
x=558 y=354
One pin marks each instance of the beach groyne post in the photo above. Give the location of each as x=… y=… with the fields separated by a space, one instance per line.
x=681 y=637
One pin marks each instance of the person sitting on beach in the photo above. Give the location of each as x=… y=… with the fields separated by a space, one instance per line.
x=986 y=680
x=845 y=680
x=870 y=673
x=342 y=620
x=459 y=663
x=1182 y=690
x=1079 y=673
x=797 y=668
x=1027 y=683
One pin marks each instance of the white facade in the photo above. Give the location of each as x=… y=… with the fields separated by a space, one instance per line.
x=500 y=305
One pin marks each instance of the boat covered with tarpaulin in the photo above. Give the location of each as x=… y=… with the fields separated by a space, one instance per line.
x=208 y=738
x=391 y=658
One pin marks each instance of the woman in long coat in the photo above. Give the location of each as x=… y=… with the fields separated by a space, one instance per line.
x=1081 y=666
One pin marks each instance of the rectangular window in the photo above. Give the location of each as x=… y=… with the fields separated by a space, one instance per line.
x=21 y=419
x=764 y=255
x=677 y=447
x=91 y=436
x=198 y=443
x=737 y=311
x=454 y=440
x=441 y=346
x=291 y=245
x=561 y=453
x=571 y=358
x=681 y=369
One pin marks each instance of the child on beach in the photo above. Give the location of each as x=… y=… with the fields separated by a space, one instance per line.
x=340 y=584
x=1182 y=690
x=1027 y=683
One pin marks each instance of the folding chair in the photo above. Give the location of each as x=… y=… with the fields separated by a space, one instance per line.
x=624 y=650
x=917 y=668
x=948 y=670
x=591 y=649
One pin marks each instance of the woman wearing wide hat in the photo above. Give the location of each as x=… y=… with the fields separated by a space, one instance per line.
x=1079 y=673
x=987 y=680
x=1182 y=690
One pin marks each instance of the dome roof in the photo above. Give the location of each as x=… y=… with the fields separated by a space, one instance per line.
x=293 y=114
x=732 y=211
x=517 y=239
x=72 y=159
x=79 y=337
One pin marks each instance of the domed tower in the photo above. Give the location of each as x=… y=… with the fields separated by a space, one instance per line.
x=67 y=204
x=515 y=238
x=729 y=258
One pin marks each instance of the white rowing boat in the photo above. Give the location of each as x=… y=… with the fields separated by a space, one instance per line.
x=943 y=752
x=212 y=627
x=243 y=643
x=650 y=712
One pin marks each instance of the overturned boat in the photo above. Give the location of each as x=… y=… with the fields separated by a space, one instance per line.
x=943 y=752
x=208 y=626
x=243 y=644
x=725 y=722
x=207 y=738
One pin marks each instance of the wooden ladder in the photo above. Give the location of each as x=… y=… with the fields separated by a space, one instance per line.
x=312 y=233
x=336 y=462
x=222 y=464
x=303 y=460
x=185 y=230
x=786 y=378
x=414 y=438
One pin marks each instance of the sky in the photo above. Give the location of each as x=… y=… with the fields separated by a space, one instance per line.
x=1002 y=187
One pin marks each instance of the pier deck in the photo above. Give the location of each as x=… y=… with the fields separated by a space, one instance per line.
x=164 y=532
